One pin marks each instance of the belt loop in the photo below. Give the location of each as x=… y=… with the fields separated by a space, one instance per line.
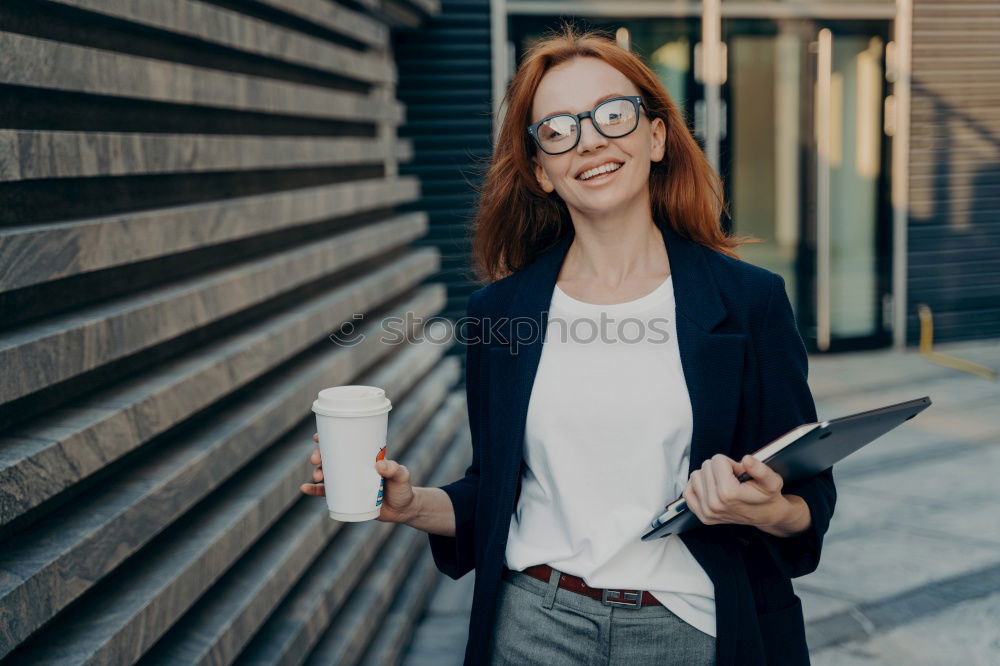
x=550 y=593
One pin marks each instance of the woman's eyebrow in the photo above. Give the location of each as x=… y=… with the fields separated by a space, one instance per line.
x=598 y=101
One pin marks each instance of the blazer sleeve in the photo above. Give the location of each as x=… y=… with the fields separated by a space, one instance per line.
x=787 y=402
x=455 y=555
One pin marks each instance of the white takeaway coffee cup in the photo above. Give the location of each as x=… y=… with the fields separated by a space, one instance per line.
x=352 y=422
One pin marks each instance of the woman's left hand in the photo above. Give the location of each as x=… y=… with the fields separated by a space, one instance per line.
x=716 y=496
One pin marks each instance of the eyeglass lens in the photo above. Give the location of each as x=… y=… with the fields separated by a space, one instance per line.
x=614 y=118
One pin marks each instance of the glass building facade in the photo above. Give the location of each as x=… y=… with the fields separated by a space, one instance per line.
x=789 y=102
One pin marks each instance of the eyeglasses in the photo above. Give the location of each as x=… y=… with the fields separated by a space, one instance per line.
x=614 y=118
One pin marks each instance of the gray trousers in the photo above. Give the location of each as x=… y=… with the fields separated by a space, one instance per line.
x=541 y=623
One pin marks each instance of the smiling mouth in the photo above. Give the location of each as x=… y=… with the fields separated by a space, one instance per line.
x=603 y=174
x=609 y=167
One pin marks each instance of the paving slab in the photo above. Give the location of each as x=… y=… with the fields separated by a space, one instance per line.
x=444 y=629
x=964 y=634
x=878 y=564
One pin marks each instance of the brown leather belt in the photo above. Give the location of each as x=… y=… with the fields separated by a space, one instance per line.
x=610 y=597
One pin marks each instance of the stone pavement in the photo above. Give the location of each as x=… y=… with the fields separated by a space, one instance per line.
x=910 y=572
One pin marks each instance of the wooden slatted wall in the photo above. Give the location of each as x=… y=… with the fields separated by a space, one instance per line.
x=445 y=77
x=954 y=229
x=193 y=196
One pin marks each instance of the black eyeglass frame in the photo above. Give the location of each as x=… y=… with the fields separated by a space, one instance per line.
x=533 y=128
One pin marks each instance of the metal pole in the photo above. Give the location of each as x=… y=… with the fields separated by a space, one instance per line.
x=824 y=82
x=711 y=53
x=901 y=169
x=498 y=56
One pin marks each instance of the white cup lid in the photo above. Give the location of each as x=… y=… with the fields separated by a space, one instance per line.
x=352 y=400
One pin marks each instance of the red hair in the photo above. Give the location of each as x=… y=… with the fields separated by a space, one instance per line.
x=516 y=220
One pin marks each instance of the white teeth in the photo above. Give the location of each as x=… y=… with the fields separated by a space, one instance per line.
x=596 y=171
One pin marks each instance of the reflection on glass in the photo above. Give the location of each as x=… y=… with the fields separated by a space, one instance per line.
x=672 y=62
x=855 y=156
x=765 y=98
x=665 y=44
x=769 y=148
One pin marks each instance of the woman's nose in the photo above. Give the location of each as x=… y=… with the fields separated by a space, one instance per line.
x=590 y=138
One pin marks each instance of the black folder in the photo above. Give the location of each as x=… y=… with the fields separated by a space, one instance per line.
x=803 y=452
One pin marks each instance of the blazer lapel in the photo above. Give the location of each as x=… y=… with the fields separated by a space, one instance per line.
x=712 y=362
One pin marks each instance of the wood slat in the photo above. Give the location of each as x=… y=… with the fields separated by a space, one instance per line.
x=352 y=628
x=42 y=63
x=45 y=457
x=223 y=27
x=426 y=6
x=939 y=91
x=929 y=190
x=963 y=6
x=216 y=629
x=69 y=552
x=396 y=629
x=944 y=232
x=951 y=49
x=129 y=612
x=919 y=259
x=84 y=339
x=155 y=440
x=928 y=172
x=945 y=217
x=955 y=294
x=944 y=62
x=977 y=162
x=931 y=114
x=936 y=77
x=40 y=253
x=335 y=17
x=444 y=160
x=300 y=620
x=963 y=134
x=930 y=39
x=933 y=281
x=394 y=591
x=29 y=154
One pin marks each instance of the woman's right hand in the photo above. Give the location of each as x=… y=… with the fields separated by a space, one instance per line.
x=399 y=502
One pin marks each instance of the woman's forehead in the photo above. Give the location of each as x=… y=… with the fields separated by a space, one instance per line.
x=577 y=85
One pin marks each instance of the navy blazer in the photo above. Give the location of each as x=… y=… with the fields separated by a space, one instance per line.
x=745 y=366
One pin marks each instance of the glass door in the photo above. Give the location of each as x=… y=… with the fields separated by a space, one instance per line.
x=805 y=162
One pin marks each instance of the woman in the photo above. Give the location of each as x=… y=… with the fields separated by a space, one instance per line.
x=599 y=209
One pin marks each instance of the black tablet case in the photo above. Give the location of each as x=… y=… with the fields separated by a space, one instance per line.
x=818 y=449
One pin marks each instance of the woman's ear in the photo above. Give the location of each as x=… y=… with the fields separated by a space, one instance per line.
x=657 y=140
x=542 y=177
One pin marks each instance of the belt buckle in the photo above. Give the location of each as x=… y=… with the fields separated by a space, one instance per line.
x=633 y=599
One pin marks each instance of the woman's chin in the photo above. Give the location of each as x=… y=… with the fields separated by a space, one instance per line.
x=593 y=208
x=600 y=202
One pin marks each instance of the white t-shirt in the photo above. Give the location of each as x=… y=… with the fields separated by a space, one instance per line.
x=607 y=444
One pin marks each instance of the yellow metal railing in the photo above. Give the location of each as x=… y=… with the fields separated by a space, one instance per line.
x=927 y=339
